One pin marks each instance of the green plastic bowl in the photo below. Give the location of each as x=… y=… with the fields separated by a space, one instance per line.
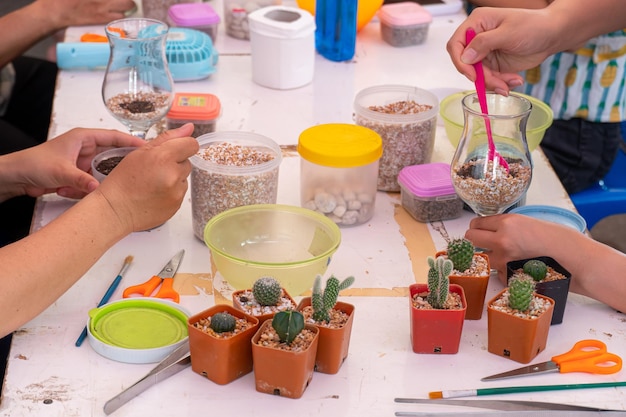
x=289 y=243
x=451 y=112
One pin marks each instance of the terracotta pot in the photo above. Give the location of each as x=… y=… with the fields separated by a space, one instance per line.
x=436 y=331
x=262 y=317
x=558 y=290
x=222 y=360
x=475 y=288
x=283 y=372
x=333 y=345
x=517 y=338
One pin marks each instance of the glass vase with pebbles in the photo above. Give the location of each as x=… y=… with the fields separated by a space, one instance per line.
x=487 y=186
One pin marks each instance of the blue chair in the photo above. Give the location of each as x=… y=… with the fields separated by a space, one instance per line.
x=608 y=196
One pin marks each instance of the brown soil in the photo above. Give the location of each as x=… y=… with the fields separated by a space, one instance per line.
x=269 y=338
x=241 y=325
x=453 y=302
x=337 y=318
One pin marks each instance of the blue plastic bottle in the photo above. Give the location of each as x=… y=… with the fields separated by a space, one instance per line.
x=335 y=33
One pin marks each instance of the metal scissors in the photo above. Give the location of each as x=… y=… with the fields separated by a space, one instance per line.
x=165 y=278
x=588 y=355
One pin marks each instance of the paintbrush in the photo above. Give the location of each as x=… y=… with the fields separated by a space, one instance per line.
x=515 y=390
x=107 y=295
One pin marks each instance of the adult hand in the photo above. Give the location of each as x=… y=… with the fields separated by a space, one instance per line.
x=505 y=43
x=66 y=13
x=148 y=186
x=61 y=164
x=510 y=237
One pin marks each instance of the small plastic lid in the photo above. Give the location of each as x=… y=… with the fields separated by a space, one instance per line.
x=340 y=145
x=406 y=13
x=553 y=214
x=194 y=106
x=193 y=14
x=427 y=180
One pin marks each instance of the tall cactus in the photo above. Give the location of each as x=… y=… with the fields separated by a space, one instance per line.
x=322 y=301
x=288 y=324
x=521 y=292
x=461 y=252
x=438 y=280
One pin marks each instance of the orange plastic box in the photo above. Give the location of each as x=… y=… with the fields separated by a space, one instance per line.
x=202 y=110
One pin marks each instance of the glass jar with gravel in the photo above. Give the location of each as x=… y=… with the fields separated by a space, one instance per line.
x=338 y=171
x=232 y=169
x=406 y=119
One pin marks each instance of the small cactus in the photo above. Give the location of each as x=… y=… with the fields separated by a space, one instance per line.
x=267 y=291
x=223 y=322
x=438 y=281
x=461 y=252
x=324 y=300
x=536 y=269
x=521 y=290
x=288 y=324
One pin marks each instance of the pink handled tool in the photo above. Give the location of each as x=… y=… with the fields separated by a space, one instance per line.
x=482 y=100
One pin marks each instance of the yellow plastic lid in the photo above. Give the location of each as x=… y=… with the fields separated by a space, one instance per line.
x=194 y=106
x=340 y=145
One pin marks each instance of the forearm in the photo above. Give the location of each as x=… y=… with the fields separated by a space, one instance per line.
x=523 y=4
x=23 y=28
x=577 y=21
x=41 y=267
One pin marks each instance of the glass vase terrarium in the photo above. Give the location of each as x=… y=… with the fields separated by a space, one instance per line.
x=492 y=174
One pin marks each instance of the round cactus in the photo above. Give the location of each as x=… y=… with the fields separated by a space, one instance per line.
x=267 y=291
x=223 y=322
x=461 y=252
x=521 y=292
x=536 y=269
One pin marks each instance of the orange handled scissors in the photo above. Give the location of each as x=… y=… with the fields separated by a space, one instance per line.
x=588 y=356
x=165 y=278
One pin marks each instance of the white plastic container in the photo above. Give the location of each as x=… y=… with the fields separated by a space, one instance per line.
x=338 y=171
x=427 y=192
x=404 y=24
x=282 y=40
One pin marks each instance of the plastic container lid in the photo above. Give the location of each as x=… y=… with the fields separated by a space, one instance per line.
x=427 y=180
x=193 y=14
x=553 y=214
x=404 y=14
x=282 y=22
x=194 y=106
x=340 y=145
x=137 y=330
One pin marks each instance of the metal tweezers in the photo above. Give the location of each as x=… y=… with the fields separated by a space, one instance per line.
x=511 y=408
x=175 y=362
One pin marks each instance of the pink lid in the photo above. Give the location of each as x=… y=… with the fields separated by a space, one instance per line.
x=193 y=14
x=406 y=13
x=427 y=180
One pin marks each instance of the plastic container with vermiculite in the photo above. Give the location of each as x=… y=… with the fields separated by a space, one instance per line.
x=404 y=24
x=202 y=110
x=427 y=192
x=338 y=171
x=197 y=16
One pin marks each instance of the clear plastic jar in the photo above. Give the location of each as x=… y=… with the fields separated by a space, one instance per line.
x=406 y=119
x=232 y=169
x=197 y=16
x=404 y=24
x=338 y=171
x=236 y=15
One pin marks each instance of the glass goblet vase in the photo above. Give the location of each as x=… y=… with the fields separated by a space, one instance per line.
x=137 y=88
x=490 y=179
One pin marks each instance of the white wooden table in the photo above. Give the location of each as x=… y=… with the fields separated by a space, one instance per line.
x=48 y=376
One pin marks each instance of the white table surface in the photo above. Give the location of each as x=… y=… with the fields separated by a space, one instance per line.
x=45 y=365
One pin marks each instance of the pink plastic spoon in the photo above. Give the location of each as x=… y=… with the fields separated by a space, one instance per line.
x=482 y=100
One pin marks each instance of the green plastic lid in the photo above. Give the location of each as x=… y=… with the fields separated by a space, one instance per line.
x=138 y=324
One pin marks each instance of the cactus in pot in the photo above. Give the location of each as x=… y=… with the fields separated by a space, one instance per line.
x=223 y=322
x=288 y=324
x=536 y=269
x=438 y=280
x=521 y=292
x=461 y=252
x=266 y=291
x=323 y=300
